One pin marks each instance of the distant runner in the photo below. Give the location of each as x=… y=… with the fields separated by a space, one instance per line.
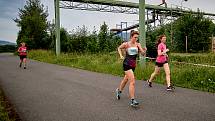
x=22 y=54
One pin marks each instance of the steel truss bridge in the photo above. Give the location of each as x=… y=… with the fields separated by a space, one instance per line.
x=119 y=7
x=153 y=12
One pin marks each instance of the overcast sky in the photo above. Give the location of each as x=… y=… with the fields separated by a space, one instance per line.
x=71 y=19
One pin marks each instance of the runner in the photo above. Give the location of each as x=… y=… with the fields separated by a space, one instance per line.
x=22 y=54
x=132 y=49
x=161 y=61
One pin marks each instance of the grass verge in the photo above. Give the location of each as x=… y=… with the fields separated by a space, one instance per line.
x=183 y=75
x=7 y=111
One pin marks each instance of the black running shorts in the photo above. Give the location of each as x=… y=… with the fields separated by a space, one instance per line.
x=160 y=64
x=22 y=57
x=127 y=67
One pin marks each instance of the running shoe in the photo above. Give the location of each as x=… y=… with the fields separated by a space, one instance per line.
x=118 y=93
x=149 y=83
x=169 y=88
x=134 y=102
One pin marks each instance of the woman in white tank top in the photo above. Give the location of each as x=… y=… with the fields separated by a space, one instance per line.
x=133 y=48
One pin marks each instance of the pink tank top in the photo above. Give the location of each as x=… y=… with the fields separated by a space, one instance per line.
x=161 y=58
x=22 y=50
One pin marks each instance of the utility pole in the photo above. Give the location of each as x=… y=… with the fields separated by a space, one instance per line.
x=186 y=43
x=57 y=26
x=142 y=23
x=212 y=43
x=142 y=37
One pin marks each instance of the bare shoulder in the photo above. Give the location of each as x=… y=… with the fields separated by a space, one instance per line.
x=123 y=45
x=138 y=44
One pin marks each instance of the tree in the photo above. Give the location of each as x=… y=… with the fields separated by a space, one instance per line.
x=103 y=38
x=197 y=29
x=92 y=43
x=32 y=20
x=64 y=39
x=51 y=39
x=114 y=42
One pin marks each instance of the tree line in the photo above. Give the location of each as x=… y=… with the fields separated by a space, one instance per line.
x=39 y=33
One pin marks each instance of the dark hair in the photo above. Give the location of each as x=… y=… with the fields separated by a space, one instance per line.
x=133 y=33
x=159 y=40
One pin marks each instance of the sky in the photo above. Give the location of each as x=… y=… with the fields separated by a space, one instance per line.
x=71 y=19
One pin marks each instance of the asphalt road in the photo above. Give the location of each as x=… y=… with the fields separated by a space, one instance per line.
x=48 y=92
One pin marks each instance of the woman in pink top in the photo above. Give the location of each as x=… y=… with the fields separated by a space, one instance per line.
x=22 y=54
x=161 y=61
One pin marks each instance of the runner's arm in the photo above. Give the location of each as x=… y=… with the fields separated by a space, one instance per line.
x=19 y=50
x=142 y=50
x=122 y=46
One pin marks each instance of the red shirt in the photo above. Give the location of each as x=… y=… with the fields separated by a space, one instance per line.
x=161 y=58
x=22 y=50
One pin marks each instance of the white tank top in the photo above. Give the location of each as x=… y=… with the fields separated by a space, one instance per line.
x=132 y=51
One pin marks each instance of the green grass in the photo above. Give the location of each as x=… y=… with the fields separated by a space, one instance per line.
x=199 y=58
x=3 y=112
x=183 y=75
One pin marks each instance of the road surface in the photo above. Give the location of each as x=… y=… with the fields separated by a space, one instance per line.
x=48 y=92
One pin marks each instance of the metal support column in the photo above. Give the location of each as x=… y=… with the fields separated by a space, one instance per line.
x=126 y=31
x=212 y=43
x=186 y=43
x=57 y=26
x=147 y=20
x=142 y=37
x=142 y=23
x=171 y=29
x=121 y=31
